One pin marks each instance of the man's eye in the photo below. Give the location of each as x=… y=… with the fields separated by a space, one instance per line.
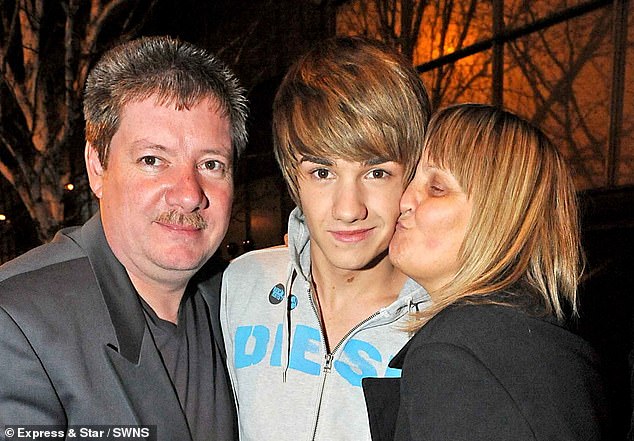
x=212 y=165
x=150 y=161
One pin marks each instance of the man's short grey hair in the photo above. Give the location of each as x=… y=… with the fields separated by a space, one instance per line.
x=176 y=72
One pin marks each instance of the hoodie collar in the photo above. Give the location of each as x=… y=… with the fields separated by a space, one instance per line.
x=299 y=243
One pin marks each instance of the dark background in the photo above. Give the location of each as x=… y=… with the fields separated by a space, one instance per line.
x=278 y=32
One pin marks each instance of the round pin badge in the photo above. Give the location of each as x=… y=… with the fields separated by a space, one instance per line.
x=293 y=302
x=277 y=294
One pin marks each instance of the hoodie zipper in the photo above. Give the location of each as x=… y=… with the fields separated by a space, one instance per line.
x=330 y=355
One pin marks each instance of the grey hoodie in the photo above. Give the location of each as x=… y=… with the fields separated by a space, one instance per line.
x=287 y=387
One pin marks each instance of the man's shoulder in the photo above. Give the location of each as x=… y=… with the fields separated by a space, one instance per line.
x=61 y=250
x=35 y=296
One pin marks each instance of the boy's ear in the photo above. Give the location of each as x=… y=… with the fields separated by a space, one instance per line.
x=94 y=169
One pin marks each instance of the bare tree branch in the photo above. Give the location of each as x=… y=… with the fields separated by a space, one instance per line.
x=40 y=40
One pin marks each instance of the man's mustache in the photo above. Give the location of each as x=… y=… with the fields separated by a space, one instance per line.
x=175 y=217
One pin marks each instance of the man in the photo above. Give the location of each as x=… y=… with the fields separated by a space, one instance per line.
x=115 y=323
x=304 y=325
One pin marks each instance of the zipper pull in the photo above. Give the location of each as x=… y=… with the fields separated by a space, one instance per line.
x=328 y=364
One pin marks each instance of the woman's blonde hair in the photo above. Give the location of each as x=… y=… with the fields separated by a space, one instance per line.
x=524 y=222
x=353 y=99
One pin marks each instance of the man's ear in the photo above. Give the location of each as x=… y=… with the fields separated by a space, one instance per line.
x=95 y=169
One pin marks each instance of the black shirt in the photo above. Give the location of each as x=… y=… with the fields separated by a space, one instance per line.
x=186 y=350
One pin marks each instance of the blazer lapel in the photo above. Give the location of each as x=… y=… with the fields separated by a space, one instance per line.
x=150 y=391
x=208 y=280
x=133 y=356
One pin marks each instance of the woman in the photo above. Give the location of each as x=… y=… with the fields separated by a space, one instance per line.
x=489 y=227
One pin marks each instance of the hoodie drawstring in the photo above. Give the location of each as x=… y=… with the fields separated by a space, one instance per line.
x=287 y=325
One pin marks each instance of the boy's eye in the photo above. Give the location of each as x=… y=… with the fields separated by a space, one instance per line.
x=322 y=173
x=378 y=173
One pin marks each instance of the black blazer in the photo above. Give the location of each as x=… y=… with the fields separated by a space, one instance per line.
x=491 y=372
x=75 y=348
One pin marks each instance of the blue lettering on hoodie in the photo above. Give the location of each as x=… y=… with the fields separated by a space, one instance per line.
x=259 y=336
x=276 y=354
x=359 y=367
x=305 y=341
x=359 y=358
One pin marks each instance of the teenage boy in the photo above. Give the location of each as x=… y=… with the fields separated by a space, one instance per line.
x=304 y=324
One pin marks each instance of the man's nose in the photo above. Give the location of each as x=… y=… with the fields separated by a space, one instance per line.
x=185 y=191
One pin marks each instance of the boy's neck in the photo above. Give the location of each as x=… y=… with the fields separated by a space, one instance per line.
x=347 y=297
x=340 y=287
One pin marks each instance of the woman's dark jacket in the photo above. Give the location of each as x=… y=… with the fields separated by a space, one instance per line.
x=491 y=372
